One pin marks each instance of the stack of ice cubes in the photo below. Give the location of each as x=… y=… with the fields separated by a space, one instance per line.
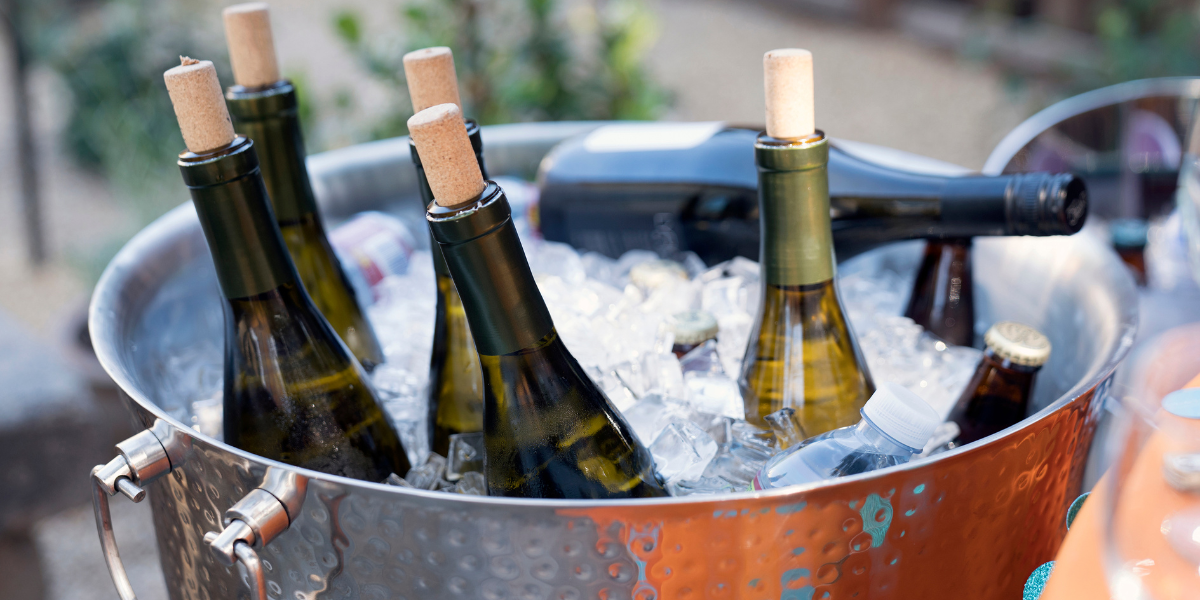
x=688 y=412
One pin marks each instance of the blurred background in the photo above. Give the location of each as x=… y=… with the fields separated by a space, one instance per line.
x=88 y=139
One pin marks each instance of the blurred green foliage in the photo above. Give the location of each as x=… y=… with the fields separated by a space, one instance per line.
x=527 y=60
x=120 y=123
x=1146 y=38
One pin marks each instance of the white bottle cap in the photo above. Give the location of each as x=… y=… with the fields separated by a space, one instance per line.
x=902 y=415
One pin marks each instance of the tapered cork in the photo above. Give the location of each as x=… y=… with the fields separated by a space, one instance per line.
x=199 y=105
x=251 y=46
x=431 y=77
x=788 y=75
x=446 y=154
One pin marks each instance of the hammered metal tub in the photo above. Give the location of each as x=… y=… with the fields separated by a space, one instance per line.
x=971 y=523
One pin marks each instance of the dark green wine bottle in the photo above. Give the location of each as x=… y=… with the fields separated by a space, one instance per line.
x=269 y=117
x=455 y=381
x=293 y=390
x=549 y=431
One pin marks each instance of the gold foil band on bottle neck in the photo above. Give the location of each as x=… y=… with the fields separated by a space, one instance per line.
x=796 y=246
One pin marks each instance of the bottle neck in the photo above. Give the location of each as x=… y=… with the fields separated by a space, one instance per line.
x=504 y=308
x=473 y=133
x=796 y=246
x=868 y=433
x=1000 y=363
x=270 y=117
x=231 y=203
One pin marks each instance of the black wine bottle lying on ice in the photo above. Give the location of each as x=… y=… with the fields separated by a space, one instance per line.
x=549 y=431
x=293 y=390
x=633 y=185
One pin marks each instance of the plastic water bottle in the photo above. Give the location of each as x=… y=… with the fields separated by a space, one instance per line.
x=895 y=425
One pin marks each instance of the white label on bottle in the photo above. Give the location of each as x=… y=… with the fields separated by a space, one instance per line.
x=645 y=137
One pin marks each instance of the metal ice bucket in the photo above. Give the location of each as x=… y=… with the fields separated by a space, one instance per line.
x=971 y=523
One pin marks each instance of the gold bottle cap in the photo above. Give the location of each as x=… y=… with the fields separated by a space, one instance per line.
x=693 y=327
x=1018 y=344
x=652 y=274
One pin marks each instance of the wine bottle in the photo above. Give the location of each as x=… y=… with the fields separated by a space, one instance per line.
x=997 y=396
x=293 y=391
x=802 y=352
x=610 y=192
x=548 y=430
x=942 y=299
x=455 y=381
x=264 y=107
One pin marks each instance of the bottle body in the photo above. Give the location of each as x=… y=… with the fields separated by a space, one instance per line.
x=549 y=431
x=996 y=398
x=269 y=117
x=942 y=299
x=838 y=453
x=455 y=379
x=293 y=391
x=802 y=353
x=611 y=200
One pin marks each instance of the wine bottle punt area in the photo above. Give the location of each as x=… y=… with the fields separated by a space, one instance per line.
x=293 y=391
x=549 y=432
x=455 y=381
x=802 y=353
x=265 y=109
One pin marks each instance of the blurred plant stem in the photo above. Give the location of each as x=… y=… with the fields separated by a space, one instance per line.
x=14 y=19
x=534 y=60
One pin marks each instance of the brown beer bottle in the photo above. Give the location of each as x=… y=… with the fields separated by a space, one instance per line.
x=998 y=394
x=942 y=300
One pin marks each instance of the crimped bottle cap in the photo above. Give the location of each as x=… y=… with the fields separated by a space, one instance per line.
x=1018 y=344
x=651 y=274
x=901 y=414
x=693 y=327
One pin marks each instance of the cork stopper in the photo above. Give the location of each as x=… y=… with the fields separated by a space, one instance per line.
x=251 y=46
x=446 y=154
x=431 y=77
x=788 y=75
x=199 y=105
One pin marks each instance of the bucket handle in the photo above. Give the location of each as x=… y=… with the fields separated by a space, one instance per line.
x=141 y=459
x=259 y=517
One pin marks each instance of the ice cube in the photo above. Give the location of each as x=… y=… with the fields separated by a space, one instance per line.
x=661 y=373
x=397 y=481
x=472 y=483
x=942 y=439
x=682 y=451
x=559 y=260
x=785 y=424
x=701 y=486
x=427 y=476
x=702 y=359
x=600 y=268
x=465 y=455
x=648 y=416
x=714 y=393
x=208 y=415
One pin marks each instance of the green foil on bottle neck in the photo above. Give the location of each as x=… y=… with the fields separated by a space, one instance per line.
x=504 y=308
x=796 y=246
x=270 y=116
x=231 y=203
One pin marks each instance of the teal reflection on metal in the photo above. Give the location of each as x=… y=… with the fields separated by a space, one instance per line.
x=876 y=518
x=919 y=489
x=788 y=509
x=802 y=593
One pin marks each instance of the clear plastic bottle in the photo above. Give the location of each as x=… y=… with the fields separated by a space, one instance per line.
x=895 y=425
